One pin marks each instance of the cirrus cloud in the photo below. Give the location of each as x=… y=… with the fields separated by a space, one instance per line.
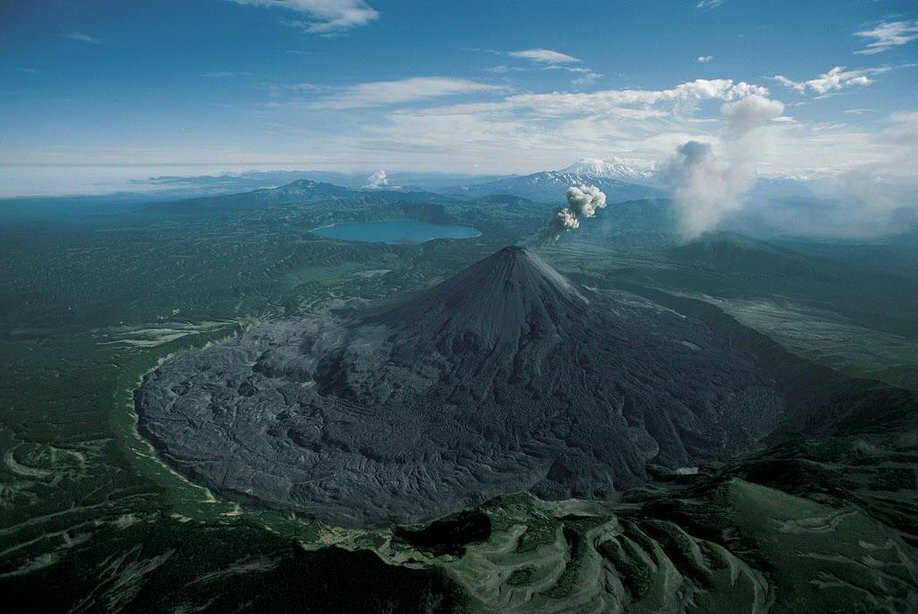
x=887 y=35
x=549 y=59
x=544 y=56
x=414 y=89
x=83 y=38
x=324 y=16
x=835 y=78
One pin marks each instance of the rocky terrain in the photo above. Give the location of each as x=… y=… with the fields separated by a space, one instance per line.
x=505 y=378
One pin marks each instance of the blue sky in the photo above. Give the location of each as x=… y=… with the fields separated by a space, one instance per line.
x=471 y=86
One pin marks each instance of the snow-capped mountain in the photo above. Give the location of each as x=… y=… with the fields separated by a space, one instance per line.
x=609 y=168
x=551 y=187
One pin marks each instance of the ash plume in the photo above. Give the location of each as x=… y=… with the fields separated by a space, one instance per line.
x=582 y=202
x=712 y=180
x=566 y=219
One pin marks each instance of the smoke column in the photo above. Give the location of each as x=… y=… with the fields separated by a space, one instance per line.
x=710 y=186
x=582 y=202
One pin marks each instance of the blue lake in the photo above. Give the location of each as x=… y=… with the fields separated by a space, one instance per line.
x=402 y=231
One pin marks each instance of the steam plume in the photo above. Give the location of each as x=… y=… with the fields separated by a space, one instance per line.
x=711 y=182
x=379 y=179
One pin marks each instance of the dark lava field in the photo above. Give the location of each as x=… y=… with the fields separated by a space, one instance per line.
x=504 y=378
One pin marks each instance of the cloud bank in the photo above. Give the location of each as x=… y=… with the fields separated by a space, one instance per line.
x=877 y=198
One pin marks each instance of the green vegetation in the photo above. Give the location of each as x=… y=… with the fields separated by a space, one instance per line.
x=90 y=518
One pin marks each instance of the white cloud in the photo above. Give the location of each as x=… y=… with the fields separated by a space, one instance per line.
x=708 y=4
x=887 y=35
x=83 y=38
x=587 y=77
x=835 y=79
x=324 y=16
x=705 y=58
x=750 y=113
x=545 y=56
x=382 y=93
x=614 y=102
x=526 y=132
x=548 y=59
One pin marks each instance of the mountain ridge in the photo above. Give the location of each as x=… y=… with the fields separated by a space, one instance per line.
x=609 y=168
x=551 y=187
x=298 y=192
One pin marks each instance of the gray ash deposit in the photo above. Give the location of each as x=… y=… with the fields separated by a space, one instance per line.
x=504 y=378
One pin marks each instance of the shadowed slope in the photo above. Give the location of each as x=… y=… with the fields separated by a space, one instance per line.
x=509 y=294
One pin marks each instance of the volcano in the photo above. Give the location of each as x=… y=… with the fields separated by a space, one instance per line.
x=506 y=377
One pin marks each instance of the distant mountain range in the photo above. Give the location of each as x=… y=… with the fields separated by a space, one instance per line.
x=543 y=187
x=299 y=192
x=650 y=208
x=620 y=179
x=551 y=186
x=227 y=183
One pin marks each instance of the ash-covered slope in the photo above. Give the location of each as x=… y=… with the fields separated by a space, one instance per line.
x=503 y=378
x=508 y=295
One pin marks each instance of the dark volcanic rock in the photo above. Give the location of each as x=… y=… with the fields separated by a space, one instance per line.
x=503 y=378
